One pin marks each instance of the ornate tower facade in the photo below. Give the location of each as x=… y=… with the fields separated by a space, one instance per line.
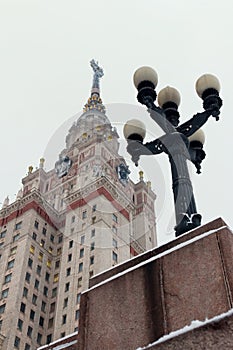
x=66 y=225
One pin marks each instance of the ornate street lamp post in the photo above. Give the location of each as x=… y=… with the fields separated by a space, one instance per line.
x=180 y=142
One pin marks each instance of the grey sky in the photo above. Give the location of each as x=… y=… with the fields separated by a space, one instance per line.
x=45 y=79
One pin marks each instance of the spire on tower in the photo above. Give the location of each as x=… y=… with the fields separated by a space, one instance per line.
x=98 y=73
x=95 y=102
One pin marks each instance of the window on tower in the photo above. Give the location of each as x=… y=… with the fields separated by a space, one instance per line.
x=80 y=282
x=81 y=253
x=2 y=308
x=29 y=332
x=20 y=325
x=25 y=292
x=50 y=323
x=17 y=342
x=114 y=218
x=80 y=267
x=49 y=338
x=38 y=270
x=13 y=250
x=114 y=243
x=114 y=229
x=5 y=293
x=78 y=298
x=77 y=314
x=67 y=286
x=3 y=234
x=36 y=285
x=49 y=263
x=52 y=307
x=47 y=276
x=41 y=321
x=40 y=256
x=45 y=292
x=36 y=224
x=34 y=299
x=64 y=319
x=8 y=278
x=65 y=303
x=43 y=306
x=32 y=249
x=92 y=258
x=39 y=337
x=82 y=239
x=114 y=256
x=16 y=237
x=18 y=225
x=22 y=307
x=10 y=264
x=56 y=278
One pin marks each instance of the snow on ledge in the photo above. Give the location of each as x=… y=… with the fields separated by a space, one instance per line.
x=58 y=341
x=194 y=324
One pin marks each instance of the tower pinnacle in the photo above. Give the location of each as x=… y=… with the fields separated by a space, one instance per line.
x=95 y=102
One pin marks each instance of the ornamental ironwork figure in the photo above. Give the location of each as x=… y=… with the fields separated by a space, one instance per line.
x=180 y=143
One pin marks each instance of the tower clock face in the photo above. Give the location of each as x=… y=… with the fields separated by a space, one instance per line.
x=62 y=166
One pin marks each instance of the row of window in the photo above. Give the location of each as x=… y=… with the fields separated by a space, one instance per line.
x=27 y=346
x=47 y=276
x=64 y=317
x=94 y=208
x=65 y=302
x=18 y=226
x=43 y=303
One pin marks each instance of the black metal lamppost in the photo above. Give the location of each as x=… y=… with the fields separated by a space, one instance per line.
x=180 y=142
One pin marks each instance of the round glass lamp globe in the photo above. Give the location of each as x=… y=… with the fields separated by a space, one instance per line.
x=145 y=74
x=168 y=94
x=198 y=136
x=134 y=126
x=207 y=81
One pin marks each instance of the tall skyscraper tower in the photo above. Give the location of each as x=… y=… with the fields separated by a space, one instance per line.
x=66 y=225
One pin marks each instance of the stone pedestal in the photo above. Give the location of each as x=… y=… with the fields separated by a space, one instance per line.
x=160 y=291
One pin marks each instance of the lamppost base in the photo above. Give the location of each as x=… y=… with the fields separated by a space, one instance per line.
x=187 y=223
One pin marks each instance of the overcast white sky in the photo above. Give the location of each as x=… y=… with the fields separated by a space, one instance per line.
x=45 y=79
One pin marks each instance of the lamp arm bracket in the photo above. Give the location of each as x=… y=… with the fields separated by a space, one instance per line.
x=154 y=147
x=196 y=122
